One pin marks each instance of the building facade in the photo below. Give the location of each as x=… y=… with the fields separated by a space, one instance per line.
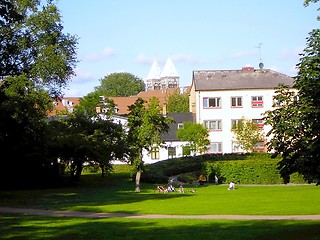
x=159 y=80
x=220 y=98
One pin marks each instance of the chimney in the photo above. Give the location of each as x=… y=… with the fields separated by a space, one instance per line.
x=247 y=69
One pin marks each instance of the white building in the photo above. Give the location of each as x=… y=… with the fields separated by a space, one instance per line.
x=219 y=98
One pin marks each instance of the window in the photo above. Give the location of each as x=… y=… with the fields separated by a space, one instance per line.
x=257 y=101
x=259 y=147
x=216 y=147
x=212 y=102
x=171 y=152
x=156 y=86
x=235 y=122
x=258 y=122
x=236 y=101
x=155 y=154
x=180 y=125
x=186 y=151
x=213 y=124
x=236 y=147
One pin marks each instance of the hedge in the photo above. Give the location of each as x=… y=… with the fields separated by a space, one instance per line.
x=248 y=172
x=250 y=168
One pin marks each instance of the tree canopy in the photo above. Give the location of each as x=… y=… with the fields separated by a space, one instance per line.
x=247 y=134
x=120 y=85
x=197 y=136
x=145 y=124
x=178 y=103
x=296 y=122
x=36 y=62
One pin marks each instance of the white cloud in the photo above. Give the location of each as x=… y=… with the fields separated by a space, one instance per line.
x=104 y=54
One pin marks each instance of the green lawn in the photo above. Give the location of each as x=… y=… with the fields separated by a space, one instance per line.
x=117 y=195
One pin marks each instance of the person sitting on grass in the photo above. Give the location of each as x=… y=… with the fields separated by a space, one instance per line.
x=232 y=186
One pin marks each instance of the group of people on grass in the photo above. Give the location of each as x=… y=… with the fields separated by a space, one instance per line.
x=171 y=188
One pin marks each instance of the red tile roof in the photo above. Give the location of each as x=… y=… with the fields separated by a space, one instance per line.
x=64 y=104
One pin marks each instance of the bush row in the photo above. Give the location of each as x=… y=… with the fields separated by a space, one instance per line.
x=248 y=172
x=256 y=168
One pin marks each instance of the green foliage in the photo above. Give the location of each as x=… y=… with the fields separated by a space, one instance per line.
x=78 y=140
x=247 y=134
x=253 y=168
x=178 y=103
x=33 y=43
x=295 y=124
x=93 y=104
x=36 y=60
x=120 y=85
x=197 y=136
x=146 y=124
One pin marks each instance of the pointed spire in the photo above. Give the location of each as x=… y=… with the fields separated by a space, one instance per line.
x=169 y=69
x=155 y=71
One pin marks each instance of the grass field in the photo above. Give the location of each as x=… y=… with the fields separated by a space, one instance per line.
x=116 y=195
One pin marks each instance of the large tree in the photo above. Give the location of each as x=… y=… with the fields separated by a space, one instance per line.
x=196 y=135
x=36 y=62
x=80 y=139
x=145 y=126
x=120 y=85
x=296 y=122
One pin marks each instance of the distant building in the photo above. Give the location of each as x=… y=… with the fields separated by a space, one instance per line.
x=64 y=105
x=159 y=80
x=220 y=98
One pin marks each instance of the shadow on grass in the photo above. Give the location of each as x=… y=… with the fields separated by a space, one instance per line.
x=92 y=191
x=42 y=227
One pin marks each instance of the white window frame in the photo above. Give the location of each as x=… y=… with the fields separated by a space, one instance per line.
x=155 y=153
x=217 y=146
x=236 y=147
x=212 y=102
x=213 y=125
x=257 y=101
x=258 y=122
x=237 y=101
x=234 y=123
x=172 y=150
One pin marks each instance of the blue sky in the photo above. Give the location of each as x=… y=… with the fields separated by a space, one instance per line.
x=126 y=35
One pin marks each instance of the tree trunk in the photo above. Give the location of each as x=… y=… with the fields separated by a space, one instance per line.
x=138 y=175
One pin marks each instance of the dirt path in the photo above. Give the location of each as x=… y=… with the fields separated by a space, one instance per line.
x=153 y=216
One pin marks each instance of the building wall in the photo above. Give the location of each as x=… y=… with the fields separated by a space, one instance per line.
x=163 y=152
x=226 y=112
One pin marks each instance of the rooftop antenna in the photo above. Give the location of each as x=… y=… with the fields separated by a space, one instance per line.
x=261 y=63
